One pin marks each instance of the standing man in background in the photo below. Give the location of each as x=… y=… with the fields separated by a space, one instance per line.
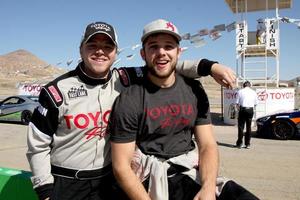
x=246 y=100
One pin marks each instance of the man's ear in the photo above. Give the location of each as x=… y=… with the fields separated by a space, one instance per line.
x=180 y=50
x=142 y=53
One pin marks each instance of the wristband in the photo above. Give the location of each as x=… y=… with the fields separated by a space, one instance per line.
x=204 y=67
x=44 y=191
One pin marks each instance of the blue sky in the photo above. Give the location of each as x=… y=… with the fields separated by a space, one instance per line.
x=52 y=29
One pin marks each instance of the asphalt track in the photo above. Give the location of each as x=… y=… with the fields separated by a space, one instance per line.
x=270 y=169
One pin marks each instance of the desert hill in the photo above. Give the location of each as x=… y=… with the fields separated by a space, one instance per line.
x=24 y=63
x=22 y=66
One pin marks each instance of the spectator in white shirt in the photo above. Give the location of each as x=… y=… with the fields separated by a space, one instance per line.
x=246 y=100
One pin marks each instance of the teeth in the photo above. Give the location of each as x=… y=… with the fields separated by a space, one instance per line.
x=162 y=62
x=99 y=60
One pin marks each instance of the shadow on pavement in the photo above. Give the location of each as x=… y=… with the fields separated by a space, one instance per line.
x=226 y=145
x=253 y=135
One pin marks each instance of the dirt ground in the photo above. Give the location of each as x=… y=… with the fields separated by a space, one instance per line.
x=270 y=169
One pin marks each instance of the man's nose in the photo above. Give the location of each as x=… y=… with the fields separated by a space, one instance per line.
x=99 y=50
x=161 y=50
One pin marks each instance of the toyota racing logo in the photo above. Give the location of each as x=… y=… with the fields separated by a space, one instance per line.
x=262 y=96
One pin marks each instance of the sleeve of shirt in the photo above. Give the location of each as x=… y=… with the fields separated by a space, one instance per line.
x=195 y=68
x=123 y=120
x=40 y=131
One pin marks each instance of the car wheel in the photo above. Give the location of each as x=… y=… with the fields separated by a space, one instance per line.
x=25 y=117
x=283 y=129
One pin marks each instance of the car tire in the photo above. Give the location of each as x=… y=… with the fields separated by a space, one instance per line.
x=25 y=117
x=283 y=129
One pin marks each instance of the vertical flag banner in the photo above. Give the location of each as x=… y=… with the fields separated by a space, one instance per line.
x=272 y=37
x=241 y=35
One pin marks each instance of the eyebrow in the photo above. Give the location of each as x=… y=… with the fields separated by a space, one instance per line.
x=168 y=42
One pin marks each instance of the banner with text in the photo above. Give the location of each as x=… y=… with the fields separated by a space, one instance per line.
x=29 y=89
x=241 y=35
x=269 y=101
x=272 y=36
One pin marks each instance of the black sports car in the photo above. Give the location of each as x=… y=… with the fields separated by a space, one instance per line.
x=282 y=125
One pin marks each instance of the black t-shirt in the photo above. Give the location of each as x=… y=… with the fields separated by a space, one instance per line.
x=161 y=120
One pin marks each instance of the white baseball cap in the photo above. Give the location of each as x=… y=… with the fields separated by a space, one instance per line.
x=160 y=26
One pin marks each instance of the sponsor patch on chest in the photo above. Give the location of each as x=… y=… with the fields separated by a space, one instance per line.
x=77 y=92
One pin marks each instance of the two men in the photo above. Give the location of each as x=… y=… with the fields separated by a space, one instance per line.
x=68 y=148
x=161 y=134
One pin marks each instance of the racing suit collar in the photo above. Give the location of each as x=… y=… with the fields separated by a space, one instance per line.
x=90 y=80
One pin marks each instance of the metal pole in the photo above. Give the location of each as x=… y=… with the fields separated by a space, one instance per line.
x=236 y=51
x=278 y=49
x=277 y=12
x=222 y=104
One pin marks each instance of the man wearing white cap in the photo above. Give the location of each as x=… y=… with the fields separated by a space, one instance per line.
x=152 y=126
x=68 y=150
